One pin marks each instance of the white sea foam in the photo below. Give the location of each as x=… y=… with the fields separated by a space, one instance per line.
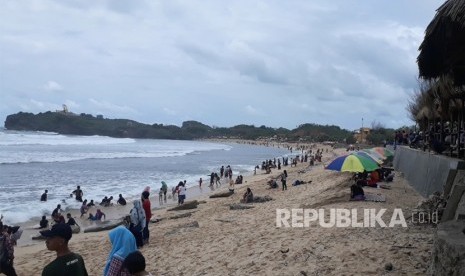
x=36 y=161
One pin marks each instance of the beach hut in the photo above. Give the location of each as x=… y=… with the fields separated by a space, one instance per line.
x=442 y=61
x=442 y=51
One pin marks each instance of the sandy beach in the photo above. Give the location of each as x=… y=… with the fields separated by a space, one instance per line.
x=247 y=242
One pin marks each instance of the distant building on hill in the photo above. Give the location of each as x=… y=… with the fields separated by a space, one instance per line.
x=361 y=134
x=65 y=111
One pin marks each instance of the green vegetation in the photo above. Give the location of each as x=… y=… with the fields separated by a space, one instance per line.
x=87 y=124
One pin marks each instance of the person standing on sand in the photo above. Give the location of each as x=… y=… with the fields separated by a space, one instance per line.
x=164 y=187
x=44 y=196
x=67 y=263
x=182 y=193
x=138 y=221
x=148 y=215
x=222 y=171
x=283 y=179
x=122 y=244
x=200 y=182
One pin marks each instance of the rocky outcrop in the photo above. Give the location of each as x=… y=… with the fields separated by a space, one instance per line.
x=449 y=249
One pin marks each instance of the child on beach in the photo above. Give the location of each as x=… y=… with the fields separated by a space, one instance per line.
x=84 y=208
x=160 y=196
x=135 y=264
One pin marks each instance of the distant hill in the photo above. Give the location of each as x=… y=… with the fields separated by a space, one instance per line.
x=87 y=124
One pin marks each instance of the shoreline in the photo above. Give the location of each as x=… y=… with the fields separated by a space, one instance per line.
x=247 y=242
x=117 y=212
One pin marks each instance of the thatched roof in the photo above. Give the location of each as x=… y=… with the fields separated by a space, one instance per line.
x=443 y=49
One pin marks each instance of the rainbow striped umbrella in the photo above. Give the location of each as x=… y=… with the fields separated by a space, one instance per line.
x=352 y=163
x=372 y=157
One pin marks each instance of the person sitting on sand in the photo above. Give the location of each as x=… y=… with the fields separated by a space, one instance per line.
x=122 y=244
x=71 y=220
x=121 y=200
x=374 y=179
x=99 y=215
x=135 y=264
x=67 y=262
x=43 y=197
x=43 y=223
x=272 y=183
x=248 y=196
x=356 y=192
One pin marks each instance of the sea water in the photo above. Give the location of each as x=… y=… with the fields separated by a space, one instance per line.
x=31 y=162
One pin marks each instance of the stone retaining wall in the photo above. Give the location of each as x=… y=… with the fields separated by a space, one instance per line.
x=426 y=172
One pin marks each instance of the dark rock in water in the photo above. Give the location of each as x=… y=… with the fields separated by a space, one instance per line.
x=388 y=266
x=186 y=206
x=240 y=207
x=223 y=194
x=185 y=215
x=261 y=199
x=106 y=225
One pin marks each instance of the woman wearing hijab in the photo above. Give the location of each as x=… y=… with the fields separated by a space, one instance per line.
x=123 y=243
x=137 y=222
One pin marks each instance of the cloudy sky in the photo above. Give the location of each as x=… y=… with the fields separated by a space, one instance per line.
x=274 y=63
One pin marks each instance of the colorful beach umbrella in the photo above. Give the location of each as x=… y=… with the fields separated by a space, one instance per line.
x=372 y=157
x=352 y=163
x=383 y=151
x=374 y=153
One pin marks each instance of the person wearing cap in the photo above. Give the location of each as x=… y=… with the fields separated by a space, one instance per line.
x=67 y=262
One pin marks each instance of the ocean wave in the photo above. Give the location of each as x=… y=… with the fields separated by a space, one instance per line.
x=17 y=138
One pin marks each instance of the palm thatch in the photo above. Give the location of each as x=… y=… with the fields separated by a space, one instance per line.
x=442 y=51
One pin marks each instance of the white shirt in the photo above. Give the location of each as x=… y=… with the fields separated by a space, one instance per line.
x=182 y=190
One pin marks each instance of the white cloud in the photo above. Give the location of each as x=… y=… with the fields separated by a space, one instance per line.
x=53 y=86
x=170 y=60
